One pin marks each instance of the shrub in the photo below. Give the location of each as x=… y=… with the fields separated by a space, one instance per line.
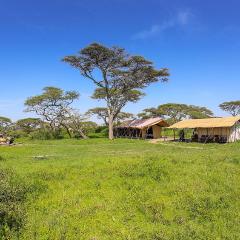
x=99 y=129
x=13 y=192
x=17 y=133
x=40 y=135
x=100 y=132
x=46 y=134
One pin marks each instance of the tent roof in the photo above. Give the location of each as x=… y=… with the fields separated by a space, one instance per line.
x=207 y=122
x=143 y=123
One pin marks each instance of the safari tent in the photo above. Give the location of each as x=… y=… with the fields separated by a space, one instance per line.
x=141 y=128
x=226 y=129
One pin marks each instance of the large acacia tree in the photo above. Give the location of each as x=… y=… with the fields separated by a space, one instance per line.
x=232 y=107
x=118 y=76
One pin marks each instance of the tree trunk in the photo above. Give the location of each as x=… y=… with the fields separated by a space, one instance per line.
x=67 y=129
x=110 y=127
x=82 y=134
x=68 y=132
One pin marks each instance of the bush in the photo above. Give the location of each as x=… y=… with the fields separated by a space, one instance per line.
x=40 y=135
x=17 y=133
x=99 y=129
x=100 y=132
x=46 y=135
x=104 y=131
x=13 y=192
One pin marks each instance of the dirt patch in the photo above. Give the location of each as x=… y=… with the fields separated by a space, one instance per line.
x=166 y=139
x=172 y=144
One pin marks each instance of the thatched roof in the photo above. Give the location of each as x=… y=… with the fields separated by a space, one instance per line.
x=207 y=122
x=144 y=123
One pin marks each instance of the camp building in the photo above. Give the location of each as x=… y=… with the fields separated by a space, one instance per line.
x=225 y=129
x=141 y=128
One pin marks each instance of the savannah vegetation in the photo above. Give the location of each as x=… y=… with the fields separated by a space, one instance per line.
x=76 y=184
x=121 y=189
x=119 y=78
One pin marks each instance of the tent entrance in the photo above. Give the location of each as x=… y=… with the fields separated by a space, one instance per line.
x=149 y=133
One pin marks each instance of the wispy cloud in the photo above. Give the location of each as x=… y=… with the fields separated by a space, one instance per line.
x=183 y=17
x=180 y=19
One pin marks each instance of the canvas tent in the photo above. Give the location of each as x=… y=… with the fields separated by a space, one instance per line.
x=141 y=128
x=226 y=129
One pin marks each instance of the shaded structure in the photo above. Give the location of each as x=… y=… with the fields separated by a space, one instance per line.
x=141 y=128
x=221 y=130
x=4 y=140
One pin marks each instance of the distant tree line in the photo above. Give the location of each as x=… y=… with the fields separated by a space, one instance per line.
x=57 y=119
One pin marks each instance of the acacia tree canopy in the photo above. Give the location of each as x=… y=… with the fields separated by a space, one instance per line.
x=196 y=112
x=149 y=113
x=5 y=123
x=102 y=113
x=232 y=107
x=29 y=124
x=121 y=77
x=52 y=105
x=176 y=112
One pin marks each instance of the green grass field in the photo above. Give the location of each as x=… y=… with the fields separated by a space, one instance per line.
x=123 y=189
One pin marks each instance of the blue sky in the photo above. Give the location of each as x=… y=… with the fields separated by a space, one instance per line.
x=197 y=40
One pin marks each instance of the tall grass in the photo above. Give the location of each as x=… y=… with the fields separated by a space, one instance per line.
x=127 y=189
x=12 y=194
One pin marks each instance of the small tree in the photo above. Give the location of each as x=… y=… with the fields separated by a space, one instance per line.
x=29 y=125
x=232 y=107
x=5 y=123
x=74 y=122
x=53 y=105
x=102 y=113
x=117 y=76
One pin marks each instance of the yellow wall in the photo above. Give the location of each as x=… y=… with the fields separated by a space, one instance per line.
x=156 y=131
x=144 y=132
x=214 y=131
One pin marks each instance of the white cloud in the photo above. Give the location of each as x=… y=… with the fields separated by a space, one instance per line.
x=147 y=33
x=181 y=18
